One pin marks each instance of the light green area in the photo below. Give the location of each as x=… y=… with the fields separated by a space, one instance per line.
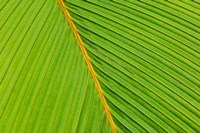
x=45 y=85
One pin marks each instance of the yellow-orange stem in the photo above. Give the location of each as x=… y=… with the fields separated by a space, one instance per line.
x=89 y=64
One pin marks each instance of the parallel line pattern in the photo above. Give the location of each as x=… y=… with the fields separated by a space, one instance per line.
x=147 y=58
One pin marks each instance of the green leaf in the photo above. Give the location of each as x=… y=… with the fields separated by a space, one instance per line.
x=145 y=55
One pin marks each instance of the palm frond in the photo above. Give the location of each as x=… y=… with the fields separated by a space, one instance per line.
x=80 y=66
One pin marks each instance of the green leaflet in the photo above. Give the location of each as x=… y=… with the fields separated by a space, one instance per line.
x=45 y=84
x=146 y=55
